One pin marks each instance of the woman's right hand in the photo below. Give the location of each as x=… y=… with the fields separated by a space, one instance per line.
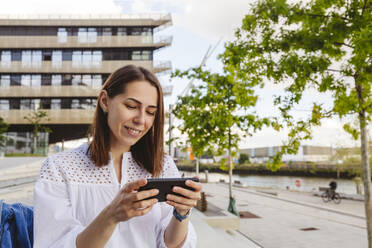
x=129 y=203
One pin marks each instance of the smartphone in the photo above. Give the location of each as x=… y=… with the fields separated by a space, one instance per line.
x=165 y=186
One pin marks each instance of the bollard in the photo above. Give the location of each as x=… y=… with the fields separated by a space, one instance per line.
x=206 y=176
x=201 y=205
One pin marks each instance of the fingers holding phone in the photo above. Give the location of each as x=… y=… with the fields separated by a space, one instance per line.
x=186 y=198
x=129 y=203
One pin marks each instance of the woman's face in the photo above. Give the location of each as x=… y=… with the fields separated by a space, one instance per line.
x=130 y=114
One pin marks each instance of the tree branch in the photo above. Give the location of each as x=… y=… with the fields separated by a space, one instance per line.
x=342 y=44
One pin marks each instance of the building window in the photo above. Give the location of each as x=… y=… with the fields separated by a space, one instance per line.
x=66 y=103
x=15 y=80
x=57 y=58
x=26 y=58
x=87 y=58
x=55 y=104
x=66 y=79
x=16 y=55
x=36 y=58
x=47 y=55
x=87 y=80
x=36 y=80
x=82 y=35
x=4 y=105
x=146 y=55
x=67 y=55
x=25 y=104
x=6 y=58
x=5 y=81
x=136 y=55
x=97 y=81
x=46 y=79
x=76 y=58
x=56 y=80
x=62 y=35
x=92 y=35
x=26 y=80
x=97 y=58
x=76 y=80
x=35 y=104
x=75 y=104
x=45 y=103
x=14 y=103
x=122 y=31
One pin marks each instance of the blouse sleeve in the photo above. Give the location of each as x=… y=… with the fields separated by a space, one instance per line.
x=54 y=224
x=170 y=170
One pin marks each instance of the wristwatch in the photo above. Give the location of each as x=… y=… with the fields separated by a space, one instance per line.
x=179 y=217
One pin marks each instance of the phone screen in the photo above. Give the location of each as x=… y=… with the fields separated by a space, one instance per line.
x=165 y=186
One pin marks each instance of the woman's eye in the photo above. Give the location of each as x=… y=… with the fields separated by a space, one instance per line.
x=130 y=107
x=151 y=113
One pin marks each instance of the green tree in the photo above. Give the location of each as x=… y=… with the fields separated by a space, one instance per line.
x=35 y=118
x=3 y=129
x=323 y=45
x=215 y=115
x=243 y=158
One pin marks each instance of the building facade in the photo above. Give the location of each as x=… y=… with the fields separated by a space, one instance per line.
x=58 y=64
x=305 y=153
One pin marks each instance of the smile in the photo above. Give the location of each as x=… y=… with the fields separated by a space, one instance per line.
x=133 y=131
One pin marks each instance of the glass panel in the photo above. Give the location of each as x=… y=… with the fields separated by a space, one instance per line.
x=82 y=35
x=47 y=55
x=97 y=81
x=97 y=58
x=26 y=80
x=76 y=58
x=46 y=79
x=75 y=104
x=26 y=58
x=55 y=104
x=6 y=58
x=35 y=104
x=57 y=58
x=106 y=32
x=67 y=55
x=66 y=79
x=45 y=103
x=36 y=80
x=36 y=58
x=87 y=80
x=66 y=103
x=5 y=81
x=122 y=31
x=16 y=55
x=146 y=55
x=87 y=58
x=76 y=80
x=85 y=104
x=92 y=35
x=62 y=35
x=136 y=31
x=136 y=55
x=25 y=104
x=56 y=80
x=4 y=105
x=14 y=103
x=15 y=80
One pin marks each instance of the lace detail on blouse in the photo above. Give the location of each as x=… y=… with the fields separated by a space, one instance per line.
x=75 y=167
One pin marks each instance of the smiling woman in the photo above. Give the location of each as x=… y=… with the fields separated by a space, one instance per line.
x=88 y=197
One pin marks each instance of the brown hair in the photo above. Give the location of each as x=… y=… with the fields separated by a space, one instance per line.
x=148 y=152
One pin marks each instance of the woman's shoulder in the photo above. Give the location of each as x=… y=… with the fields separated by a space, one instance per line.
x=169 y=167
x=57 y=165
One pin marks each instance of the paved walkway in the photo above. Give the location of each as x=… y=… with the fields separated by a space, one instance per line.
x=280 y=220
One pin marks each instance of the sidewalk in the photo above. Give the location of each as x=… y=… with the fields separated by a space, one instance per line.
x=281 y=218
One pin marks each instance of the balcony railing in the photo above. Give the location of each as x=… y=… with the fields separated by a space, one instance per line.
x=162 y=66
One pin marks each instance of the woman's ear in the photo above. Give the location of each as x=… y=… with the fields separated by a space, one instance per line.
x=103 y=100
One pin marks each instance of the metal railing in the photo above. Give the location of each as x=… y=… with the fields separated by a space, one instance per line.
x=163 y=39
x=153 y=16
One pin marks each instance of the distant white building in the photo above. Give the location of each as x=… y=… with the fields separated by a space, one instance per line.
x=305 y=154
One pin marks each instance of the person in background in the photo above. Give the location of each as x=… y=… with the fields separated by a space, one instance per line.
x=87 y=197
x=333 y=187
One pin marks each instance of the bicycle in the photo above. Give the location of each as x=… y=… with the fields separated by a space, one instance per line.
x=328 y=196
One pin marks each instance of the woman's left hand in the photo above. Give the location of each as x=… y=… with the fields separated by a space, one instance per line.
x=189 y=198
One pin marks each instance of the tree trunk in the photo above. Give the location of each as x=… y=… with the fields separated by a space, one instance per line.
x=197 y=167
x=366 y=172
x=230 y=174
x=34 y=145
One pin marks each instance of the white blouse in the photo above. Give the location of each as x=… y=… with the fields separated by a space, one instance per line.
x=71 y=191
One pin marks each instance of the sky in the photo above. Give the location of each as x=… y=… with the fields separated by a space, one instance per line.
x=196 y=25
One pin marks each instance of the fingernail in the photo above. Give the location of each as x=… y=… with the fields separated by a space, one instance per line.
x=156 y=191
